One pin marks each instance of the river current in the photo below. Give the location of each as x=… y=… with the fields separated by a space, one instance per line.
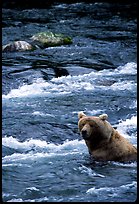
x=43 y=155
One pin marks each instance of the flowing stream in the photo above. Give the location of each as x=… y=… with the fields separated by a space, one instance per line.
x=43 y=156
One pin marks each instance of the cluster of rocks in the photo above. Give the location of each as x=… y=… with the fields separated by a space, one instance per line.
x=39 y=40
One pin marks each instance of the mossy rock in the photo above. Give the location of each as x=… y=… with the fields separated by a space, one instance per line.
x=49 y=39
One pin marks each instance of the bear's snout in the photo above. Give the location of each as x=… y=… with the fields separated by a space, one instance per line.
x=85 y=132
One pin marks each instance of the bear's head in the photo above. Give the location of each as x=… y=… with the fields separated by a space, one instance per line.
x=94 y=129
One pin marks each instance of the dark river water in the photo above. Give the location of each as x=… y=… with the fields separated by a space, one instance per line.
x=43 y=156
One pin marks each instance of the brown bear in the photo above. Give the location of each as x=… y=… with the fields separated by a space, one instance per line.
x=103 y=141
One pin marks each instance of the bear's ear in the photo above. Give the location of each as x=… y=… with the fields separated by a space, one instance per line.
x=81 y=115
x=103 y=117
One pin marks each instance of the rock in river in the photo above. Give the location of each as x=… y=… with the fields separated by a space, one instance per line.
x=17 y=46
x=39 y=40
x=49 y=39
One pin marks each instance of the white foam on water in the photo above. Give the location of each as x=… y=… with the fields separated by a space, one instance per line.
x=43 y=199
x=32 y=188
x=96 y=112
x=126 y=125
x=38 y=113
x=129 y=68
x=62 y=85
x=72 y=84
x=34 y=149
x=90 y=172
x=15 y=200
x=16 y=165
x=40 y=144
x=128 y=122
x=132 y=164
x=128 y=85
x=112 y=191
x=28 y=90
x=24 y=146
x=27 y=158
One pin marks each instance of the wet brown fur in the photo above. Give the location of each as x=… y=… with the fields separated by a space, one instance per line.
x=103 y=141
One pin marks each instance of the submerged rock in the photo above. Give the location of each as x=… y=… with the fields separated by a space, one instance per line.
x=17 y=46
x=49 y=39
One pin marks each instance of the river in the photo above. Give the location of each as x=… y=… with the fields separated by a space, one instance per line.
x=44 y=159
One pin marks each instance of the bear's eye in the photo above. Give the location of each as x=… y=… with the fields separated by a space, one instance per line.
x=83 y=124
